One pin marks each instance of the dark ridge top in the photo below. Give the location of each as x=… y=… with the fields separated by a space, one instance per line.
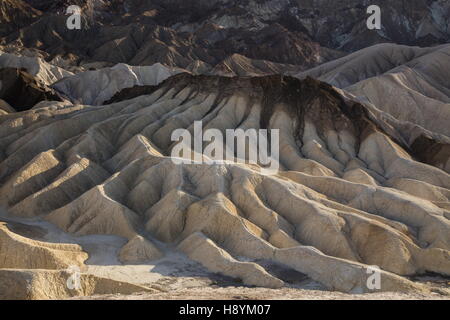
x=303 y=99
x=22 y=91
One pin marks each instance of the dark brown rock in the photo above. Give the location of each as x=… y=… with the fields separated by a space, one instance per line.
x=22 y=91
x=429 y=150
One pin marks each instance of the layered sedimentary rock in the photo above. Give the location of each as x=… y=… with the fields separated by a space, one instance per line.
x=364 y=166
x=21 y=284
x=408 y=85
x=5 y=107
x=350 y=193
x=16 y=14
x=33 y=269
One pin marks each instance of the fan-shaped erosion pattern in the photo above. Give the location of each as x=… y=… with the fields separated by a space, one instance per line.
x=349 y=193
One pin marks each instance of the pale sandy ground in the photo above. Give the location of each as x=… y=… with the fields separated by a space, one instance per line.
x=241 y=293
x=180 y=278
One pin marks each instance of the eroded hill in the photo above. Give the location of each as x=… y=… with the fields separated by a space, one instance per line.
x=349 y=194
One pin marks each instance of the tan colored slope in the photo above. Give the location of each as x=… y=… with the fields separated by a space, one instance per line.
x=200 y=248
x=22 y=284
x=239 y=65
x=19 y=252
x=36 y=270
x=35 y=66
x=367 y=63
x=340 y=203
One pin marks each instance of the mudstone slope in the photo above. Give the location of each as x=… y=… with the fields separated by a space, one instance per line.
x=184 y=34
x=89 y=180
x=349 y=193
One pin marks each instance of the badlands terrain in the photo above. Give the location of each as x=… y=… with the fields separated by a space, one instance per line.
x=94 y=206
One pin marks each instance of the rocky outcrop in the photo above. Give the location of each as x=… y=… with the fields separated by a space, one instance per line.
x=87 y=154
x=408 y=86
x=22 y=284
x=96 y=87
x=22 y=91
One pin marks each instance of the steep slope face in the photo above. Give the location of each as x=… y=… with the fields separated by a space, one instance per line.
x=95 y=87
x=15 y=14
x=22 y=91
x=342 y=24
x=409 y=84
x=18 y=252
x=365 y=64
x=433 y=151
x=22 y=284
x=348 y=194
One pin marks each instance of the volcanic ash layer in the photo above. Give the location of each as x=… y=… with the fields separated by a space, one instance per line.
x=348 y=195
